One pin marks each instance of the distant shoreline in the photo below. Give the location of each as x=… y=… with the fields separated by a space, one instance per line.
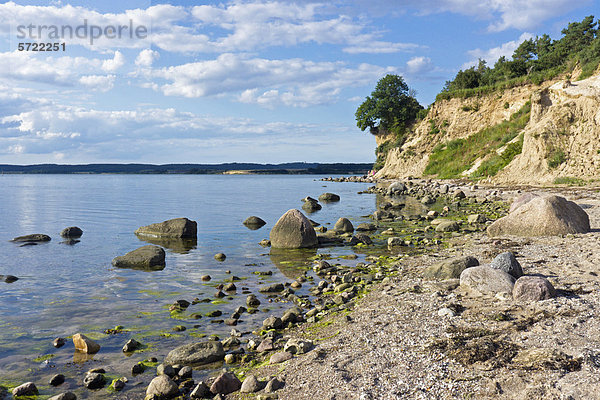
x=298 y=168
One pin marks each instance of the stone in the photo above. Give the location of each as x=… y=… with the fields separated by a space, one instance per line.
x=272 y=323
x=205 y=278
x=521 y=200
x=201 y=391
x=252 y=301
x=9 y=278
x=298 y=346
x=366 y=227
x=476 y=219
x=163 y=369
x=94 y=380
x=185 y=372
x=459 y=194
x=26 y=389
x=447 y=226
x=147 y=257
x=225 y=383
x=280 y=357
x=396 y=188
x=118 y=384
x=272 y=288
x=36 y=237
x=450 y=269
x=251 y=385
x=220 y=257
x=542 y=216
x=311 y=205
x=265 y=345
x=196 y=353
x=265 y=243
x=71 y=232
x=64 y=396
x=329 y=197
x=446 y=312
x=131 y=345
x=487 y=280
x=508 y=263
x=395 y=242
x=360 y=238
x=343 y=225
x=85 y=344
x=292 y=231
x=174 y=228
x=273 y=385
x=56 y=380
x=427 y=200
x=163 y=387
x=533 y=288
x=59 y=342
x=254 y=222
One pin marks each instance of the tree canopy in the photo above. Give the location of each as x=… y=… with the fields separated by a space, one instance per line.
x=390 y=107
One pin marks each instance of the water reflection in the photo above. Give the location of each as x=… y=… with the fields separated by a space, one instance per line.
x=176 y=245
x=292 y=262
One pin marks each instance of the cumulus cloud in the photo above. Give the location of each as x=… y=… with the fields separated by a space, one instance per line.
x=102 y=83
x=293 y=82
x=147 y=57
x=492 y=55
x=111 y=65
x=419 y=65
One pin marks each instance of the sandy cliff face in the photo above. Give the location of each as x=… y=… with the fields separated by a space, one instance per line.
x=564 y=125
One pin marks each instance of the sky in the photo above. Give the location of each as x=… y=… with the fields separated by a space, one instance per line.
x=235 y=81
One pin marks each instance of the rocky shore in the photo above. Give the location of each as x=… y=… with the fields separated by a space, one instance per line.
x=439 y=308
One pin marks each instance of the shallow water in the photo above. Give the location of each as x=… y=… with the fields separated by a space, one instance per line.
x=64 y=289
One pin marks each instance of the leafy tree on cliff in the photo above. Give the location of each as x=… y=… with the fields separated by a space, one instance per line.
x=389 y=108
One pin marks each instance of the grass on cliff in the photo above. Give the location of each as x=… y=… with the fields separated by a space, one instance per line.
x=496 y=162
x=449 y=160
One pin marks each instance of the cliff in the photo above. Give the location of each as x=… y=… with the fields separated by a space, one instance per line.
x=560 y=140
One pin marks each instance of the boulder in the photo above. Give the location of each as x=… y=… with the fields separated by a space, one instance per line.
x=94 y=380
x=131 y=345
x=292 y=231
x=487 y=280
x=298 y=346
x=508 y=263
x=360 y=238
x=64 y=396
x=396 y=188
x=533 y=288
x=343 y=225
x=395 y=241
x=280 y=357
x=329 y=197
x=542 y=216
x=523 y=199
x=447 y=226
x=36 y=237
x=196 y=353
x=163 y=387
x=225 y=383
x=174 y=228
x=201 y=391
x=85 y=344
x=26 y=389
x=311 y=205
x=147 y=257
x=251 y=385
x=272 y=288
x=71 y=232
x=254 y=222
x=476 y=219
x=366 y=227
x=273 y=385
x=272 y=323
x=450 y=269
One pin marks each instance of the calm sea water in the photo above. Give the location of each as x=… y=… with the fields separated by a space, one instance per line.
x=64 y=289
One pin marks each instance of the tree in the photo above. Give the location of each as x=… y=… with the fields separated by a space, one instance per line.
x=390 y=107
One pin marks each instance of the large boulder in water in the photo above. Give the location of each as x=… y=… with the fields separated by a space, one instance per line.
x=254 y=222
x=543 y=216
x=293 y=231
x=147 y=257
x=343 y=225
x=36 y=237
x=329 y=197
x=196 y=353
x=174 y=228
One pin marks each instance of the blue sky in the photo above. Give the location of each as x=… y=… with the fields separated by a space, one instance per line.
x=237 y=81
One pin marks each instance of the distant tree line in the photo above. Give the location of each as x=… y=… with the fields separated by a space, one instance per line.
x=535 y=60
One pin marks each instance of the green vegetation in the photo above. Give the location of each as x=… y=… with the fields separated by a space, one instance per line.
x=496 y=162
x=555 y=157
x=449 y=160
x=390 y=108
x=569 y=180
x=534 y=61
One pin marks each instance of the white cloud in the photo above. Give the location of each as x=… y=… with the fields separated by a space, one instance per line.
x=146 y=58
x=101 y=83
x=419 y=65
x=492 y=55
x=293 y=82
x=111 y=65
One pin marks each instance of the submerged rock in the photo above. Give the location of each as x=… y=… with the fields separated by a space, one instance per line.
x=311 y=205
x=64 y=396
x=196 y=353
x=329 y=197
x=148 y=257
x=8 y=278
x=26 y=389
x=177 y=228
x=36 y=237
x=94 y=380
x=220 y=257
x=343 y=225
x=71 y=232
x=292 y=231
x=543 y=216
x=85 y=344
x=254 y=222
